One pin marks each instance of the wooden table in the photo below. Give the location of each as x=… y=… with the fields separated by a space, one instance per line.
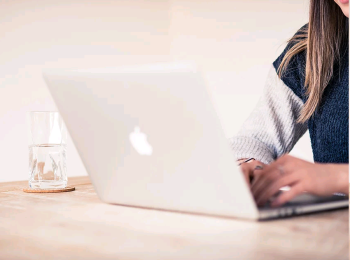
x=77 y=225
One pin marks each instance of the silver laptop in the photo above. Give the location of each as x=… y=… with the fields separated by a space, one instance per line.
x=149 y=137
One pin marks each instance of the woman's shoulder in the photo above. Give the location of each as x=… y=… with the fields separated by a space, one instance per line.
x=300 y=35
x=294 y=74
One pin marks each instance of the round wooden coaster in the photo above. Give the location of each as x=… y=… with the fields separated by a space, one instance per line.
x=30 y=190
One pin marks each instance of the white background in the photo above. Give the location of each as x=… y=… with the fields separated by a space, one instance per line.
x=234 y=42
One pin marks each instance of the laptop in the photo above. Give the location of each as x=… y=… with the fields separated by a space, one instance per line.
x=150 y=137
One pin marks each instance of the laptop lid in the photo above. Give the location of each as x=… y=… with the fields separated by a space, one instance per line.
x=149 y=136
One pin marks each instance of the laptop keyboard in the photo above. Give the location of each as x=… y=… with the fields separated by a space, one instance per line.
x=305 y=199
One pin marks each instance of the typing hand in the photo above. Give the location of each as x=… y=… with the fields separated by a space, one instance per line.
x=316 y=178
x=249 y=168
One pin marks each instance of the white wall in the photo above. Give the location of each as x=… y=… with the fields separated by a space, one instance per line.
x=233 y=41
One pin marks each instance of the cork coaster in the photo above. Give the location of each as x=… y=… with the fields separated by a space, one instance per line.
x=30 y=190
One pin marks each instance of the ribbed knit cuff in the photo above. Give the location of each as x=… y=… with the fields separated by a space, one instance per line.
x=245 y=147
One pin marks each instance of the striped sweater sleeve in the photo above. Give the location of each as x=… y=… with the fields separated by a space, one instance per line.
x=272 y=129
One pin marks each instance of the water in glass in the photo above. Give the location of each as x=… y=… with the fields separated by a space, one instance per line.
x=47 y=166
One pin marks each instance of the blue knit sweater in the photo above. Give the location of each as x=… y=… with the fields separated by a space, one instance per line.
x=329 y=126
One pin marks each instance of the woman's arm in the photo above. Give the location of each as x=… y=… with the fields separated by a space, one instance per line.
x=272 y=129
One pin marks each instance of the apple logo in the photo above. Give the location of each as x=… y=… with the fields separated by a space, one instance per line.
x=139 y=142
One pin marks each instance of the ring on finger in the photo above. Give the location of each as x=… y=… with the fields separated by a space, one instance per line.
x=258 y=167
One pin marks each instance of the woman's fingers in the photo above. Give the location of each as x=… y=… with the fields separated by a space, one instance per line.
x=288 y=195
x=263 y=179
x=267 y=192
x=248 y=170
x=270 y=174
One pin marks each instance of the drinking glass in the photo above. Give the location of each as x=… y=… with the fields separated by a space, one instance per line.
x=47 y=136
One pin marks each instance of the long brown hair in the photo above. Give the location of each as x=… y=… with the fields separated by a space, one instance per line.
x=323 y=40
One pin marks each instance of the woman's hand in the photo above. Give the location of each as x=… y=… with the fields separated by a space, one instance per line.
x=316 y=178
x=249 y=168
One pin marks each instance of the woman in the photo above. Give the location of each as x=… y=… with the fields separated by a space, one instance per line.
x=307 y=88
